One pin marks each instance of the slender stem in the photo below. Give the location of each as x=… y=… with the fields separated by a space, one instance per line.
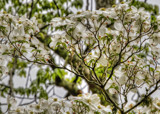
x=143 y=99
x=58 y=9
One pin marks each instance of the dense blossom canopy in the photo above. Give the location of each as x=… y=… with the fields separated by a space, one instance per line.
x=118 y=47
x=86 y=103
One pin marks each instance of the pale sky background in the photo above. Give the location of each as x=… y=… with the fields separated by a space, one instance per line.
x=154 y=2
x=157 y=2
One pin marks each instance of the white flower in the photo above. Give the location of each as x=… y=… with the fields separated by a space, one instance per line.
x=102 y=31
x=143 y=14
x=35 y=108
x=155 y=50
x=156 y=103
x=103 y=60
x=79 y=30
x=143 y=110
x=109 y=83
x=134 y=9
x=34 y=20
x=43 y=103
x=12 y=101
x=19 y=31
x=118 y=26
x=134 y=90
x=87 y=14
x=17 y=110
x=35 y=41
x=104 y=109
x=139 y=81
x=3 y=70
x=115 y=47
x=113 y=91
x=155 y=39
x=3 y=48
x=140 y=75
x=56 y=38
x=122 y=80
x=91 y=100
x=60 y=21
x=110 y=12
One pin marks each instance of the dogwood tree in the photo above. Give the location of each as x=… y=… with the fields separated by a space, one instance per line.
x=115 y=50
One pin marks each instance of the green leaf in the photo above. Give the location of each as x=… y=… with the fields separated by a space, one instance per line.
x=151 y=69
x=77 y=3
x=43 y=93
x=141 y=55
x=22 y=73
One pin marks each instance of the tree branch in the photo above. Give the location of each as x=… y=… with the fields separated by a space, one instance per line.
x=143 y=99
x=30 y=14
x=58 y=12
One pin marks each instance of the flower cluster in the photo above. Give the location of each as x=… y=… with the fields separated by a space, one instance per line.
x=122 y=35
x=85 y=103
x=17 y=39
x=118 y=45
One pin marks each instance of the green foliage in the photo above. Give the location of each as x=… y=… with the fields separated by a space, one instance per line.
x=97 y=112
x=141 y=55
x=114 y=110
x=43 y=93
x=20 y=91
x=42 y=9
x=146 y=101
x=101 y=72
x=77 y=3
x=79 y=80
x=20 y=66
x=22 y=72
x=3 y=92
x=109 y=37
x=103 y=100
x=60 y=73
x=61 y=51
x=131 y=112
x=3 y=29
